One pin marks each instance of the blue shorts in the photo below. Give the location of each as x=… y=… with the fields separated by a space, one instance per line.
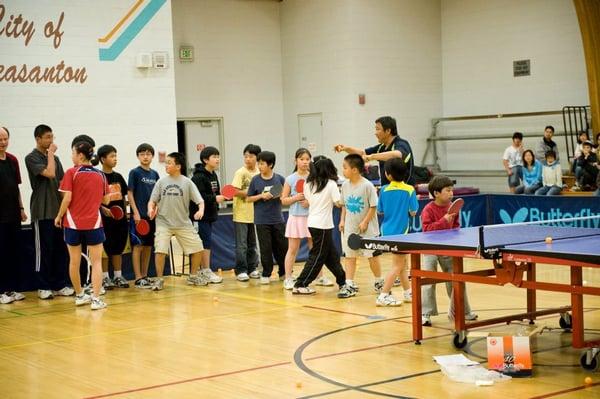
x=86 y=237
x=205 y=232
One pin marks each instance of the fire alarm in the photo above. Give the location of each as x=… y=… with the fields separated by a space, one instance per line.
x=361 y=99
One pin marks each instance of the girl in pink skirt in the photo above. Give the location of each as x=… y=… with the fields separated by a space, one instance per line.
x=297 y=228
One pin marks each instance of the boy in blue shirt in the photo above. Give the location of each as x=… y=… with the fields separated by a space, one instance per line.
x=270 y=226
x=398 y=202
x=140 y=185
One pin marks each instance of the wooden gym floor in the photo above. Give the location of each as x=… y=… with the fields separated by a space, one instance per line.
x=243 y=340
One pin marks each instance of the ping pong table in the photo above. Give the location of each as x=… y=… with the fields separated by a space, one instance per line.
x=514 y=251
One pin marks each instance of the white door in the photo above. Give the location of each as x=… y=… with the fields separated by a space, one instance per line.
x=310 y=128
x=202 y=133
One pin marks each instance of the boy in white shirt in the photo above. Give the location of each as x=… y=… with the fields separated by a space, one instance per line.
x=513 y=161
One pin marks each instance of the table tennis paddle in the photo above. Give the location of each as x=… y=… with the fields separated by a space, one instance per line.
x=117 y=212
x=354 y=241
x=300 y=186
x=276 y=190
x=228 y=191
x=456 y=206
x=143 y=227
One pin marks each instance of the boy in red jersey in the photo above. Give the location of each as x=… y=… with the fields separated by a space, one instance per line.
x=85 y=189
x=435 y=216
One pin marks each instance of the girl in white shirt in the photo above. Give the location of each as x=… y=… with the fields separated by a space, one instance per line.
x=322 y=193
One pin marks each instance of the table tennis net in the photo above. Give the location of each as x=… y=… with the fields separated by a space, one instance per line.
x=501 y=235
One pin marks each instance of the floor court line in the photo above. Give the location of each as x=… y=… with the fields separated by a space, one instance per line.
x=569 y=390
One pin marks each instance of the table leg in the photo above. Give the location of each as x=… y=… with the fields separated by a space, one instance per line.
x=415 y=262
x=577 y=307
x=459 y=295
x=531 y=293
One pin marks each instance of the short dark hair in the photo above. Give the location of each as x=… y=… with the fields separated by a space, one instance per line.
x=268 y=157
x=6 y=129
x=550 y=127
x=438 y=183
x=517 y=135
x=550 y=154
x=207 y=152
x=588 y=143
x=252 y=149
x=396 y=168
x=143 y=148
x=84 y=148
x=105 y=150
x=387 y=122
x=83 y=137
x=178 y=157
x=40 y=130
x=355 y=161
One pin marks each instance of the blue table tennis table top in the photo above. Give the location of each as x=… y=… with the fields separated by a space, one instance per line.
x=573 y=243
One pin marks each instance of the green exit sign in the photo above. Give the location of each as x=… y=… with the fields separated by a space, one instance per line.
x=186 y=54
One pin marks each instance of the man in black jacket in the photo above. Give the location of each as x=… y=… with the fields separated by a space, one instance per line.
x=207 y=181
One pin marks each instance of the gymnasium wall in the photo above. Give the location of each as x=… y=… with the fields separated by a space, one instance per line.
x=334 y=50
x=236 y=73
x=94 y=87
x=480 y=41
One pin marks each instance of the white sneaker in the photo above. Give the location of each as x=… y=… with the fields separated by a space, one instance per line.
x=387 y=300
x=97 y=304
x=255 y=274
x=325 y=282
x=17 y=295
x=352 y=285
x=158 y=284
x=242 y=277
x=211 y=276
x=426 y=320
x=265 y=280
x=407 y=296
x=288 y=283
x=88 y=289
x=66 y=291
x=45 y=294
x=6 y=299
x=82 y=299
x=197 y=279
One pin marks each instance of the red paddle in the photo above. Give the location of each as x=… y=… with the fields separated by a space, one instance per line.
x=143 y=227
x=456 y=206
x=228 y=191
x=117 y=212
x=300 y=186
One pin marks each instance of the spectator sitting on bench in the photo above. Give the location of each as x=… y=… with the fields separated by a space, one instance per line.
x=545 y=145
x=586 y=169
x=532 y=174
x=551 y=176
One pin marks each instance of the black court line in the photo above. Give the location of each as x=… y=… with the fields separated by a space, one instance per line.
x=317 y=395
x=345 y=387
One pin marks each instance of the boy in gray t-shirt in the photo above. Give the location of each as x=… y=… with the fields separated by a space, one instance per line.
x=359 y=216
x=169 y=203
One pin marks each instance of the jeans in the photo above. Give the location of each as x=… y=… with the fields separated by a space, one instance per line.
x=523 y=189
x=246 y=255
x=429 y=303
x=548 y=190
x=515 y=179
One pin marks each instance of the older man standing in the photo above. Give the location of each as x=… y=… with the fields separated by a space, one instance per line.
x=11 y=216
x=545 y=145
x=390 y=146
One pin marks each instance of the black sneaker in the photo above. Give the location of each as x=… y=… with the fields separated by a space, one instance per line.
x=143 y=283
x=346 y=292
x=120 y=282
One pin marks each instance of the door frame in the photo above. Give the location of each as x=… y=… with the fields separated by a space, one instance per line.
x=298 y=122
x=220 y=119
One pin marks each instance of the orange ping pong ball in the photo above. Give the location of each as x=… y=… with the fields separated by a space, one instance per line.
x=548 y=240
x=588 y=380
